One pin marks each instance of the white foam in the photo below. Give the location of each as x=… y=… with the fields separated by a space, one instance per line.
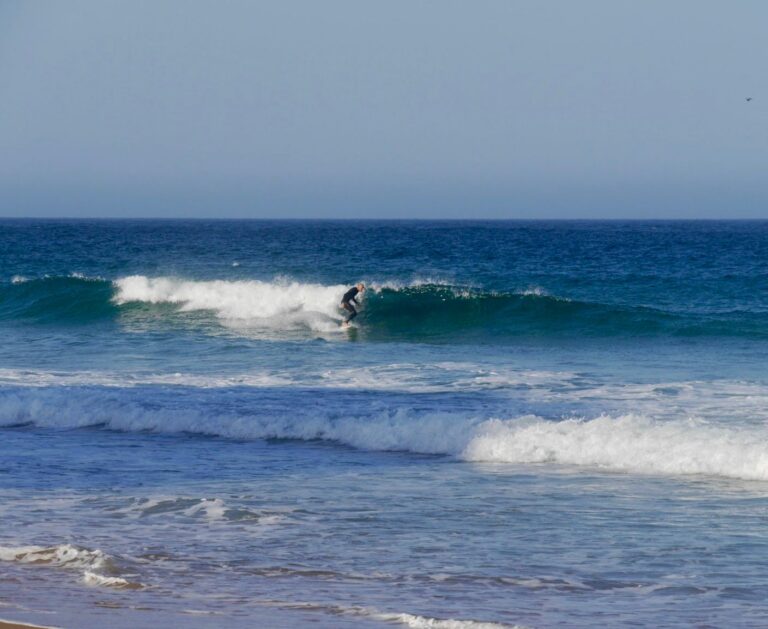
x=81 y=276
x=533 y=291
x=628 y=443
x=717 y=428
x=247 y=300
x=34 y=378
x=95 y=579
x=424 y=622
x=281 y=303
x=418 y=282
x=410 y=377
x=619 y=442
x=64 y=555
x=210 y=508
x=21 y=279
x=409 y=620
x=92 y=564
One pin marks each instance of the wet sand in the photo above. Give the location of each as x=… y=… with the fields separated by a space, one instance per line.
x=9 y=624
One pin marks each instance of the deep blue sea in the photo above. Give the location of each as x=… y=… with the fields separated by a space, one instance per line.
x=531 y=424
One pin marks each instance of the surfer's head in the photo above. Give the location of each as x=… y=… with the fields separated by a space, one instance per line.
x=360 y=286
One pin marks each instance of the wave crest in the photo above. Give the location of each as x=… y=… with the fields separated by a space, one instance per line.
x=96 y=567
x=250 y=299
x=621 y=443
x=419 y=310
x=627 y=443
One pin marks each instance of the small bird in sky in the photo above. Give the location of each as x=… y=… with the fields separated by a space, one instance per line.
x=749 y=98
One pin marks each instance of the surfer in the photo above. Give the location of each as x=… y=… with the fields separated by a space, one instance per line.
x=349 y=299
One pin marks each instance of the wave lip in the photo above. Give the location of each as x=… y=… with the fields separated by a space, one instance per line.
x=56 y=299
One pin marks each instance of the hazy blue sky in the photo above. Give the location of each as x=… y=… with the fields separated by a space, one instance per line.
x=614 y=108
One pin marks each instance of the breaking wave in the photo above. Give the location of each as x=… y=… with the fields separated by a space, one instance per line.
x=95 y=567
x=631 y=443
x=418 y=310
x=56 y=299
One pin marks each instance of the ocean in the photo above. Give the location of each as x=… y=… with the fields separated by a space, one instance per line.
x=531 y=424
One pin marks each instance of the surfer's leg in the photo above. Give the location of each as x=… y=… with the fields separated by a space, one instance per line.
x=352 y=312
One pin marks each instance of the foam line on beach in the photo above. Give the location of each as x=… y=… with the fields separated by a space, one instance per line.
x=412 y=621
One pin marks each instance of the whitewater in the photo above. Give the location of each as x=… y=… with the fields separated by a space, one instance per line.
x=532 y=424
x=632 y=442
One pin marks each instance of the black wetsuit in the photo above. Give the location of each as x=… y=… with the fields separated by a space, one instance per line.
x=349 y=296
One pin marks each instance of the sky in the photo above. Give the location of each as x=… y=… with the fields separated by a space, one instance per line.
x=398 y=109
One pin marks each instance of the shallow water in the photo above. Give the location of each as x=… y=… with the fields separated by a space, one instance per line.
x=536 y=424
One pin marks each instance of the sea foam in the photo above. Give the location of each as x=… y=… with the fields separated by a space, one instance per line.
x=623 y=442
x=279 y=303
x=244 y=300
x=95 y=567
x=424 y=622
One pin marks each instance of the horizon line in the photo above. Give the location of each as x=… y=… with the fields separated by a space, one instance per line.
x=385 y=219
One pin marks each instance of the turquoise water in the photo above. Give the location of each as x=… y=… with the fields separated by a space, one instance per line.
x=539 y=424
